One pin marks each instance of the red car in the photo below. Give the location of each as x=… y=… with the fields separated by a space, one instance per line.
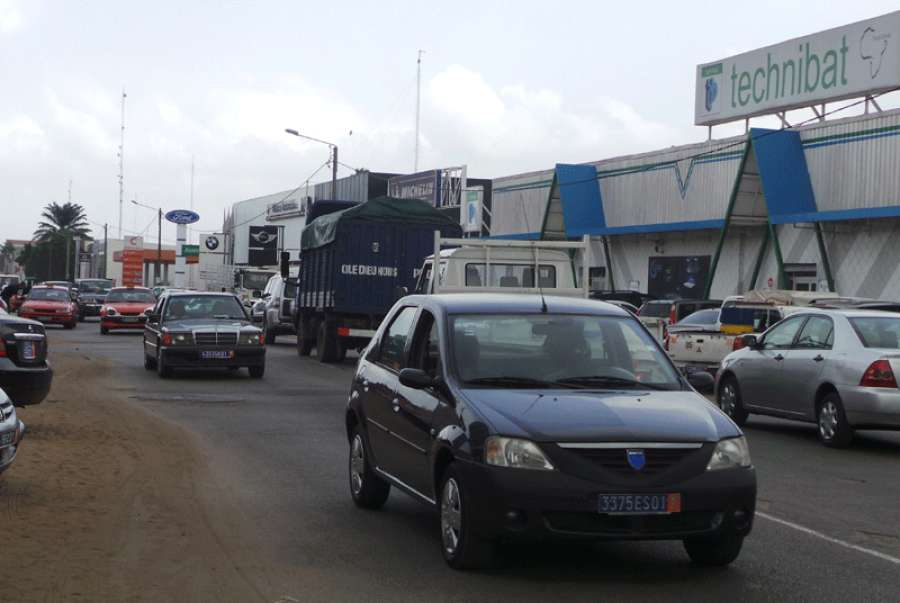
x=52 y=305
x=125 y=307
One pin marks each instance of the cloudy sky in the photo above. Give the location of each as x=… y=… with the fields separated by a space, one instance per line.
x=507 y=87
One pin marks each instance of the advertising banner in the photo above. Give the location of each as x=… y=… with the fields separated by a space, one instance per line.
x=263 y=247
x=844 y=62
x=470 y=216
x=425 y=186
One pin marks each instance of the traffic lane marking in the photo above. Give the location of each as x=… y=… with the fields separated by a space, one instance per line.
x=832 y=540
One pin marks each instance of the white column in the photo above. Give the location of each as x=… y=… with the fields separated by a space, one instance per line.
x=180 y=261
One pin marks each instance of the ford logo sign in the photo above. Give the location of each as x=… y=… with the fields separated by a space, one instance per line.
x=182 y=216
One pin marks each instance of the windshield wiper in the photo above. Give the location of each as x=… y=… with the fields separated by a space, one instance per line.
x=511 y=381
x=609 y=381
x=227 y=317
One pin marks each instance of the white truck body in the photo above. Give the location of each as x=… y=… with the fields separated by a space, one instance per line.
x=503 y=266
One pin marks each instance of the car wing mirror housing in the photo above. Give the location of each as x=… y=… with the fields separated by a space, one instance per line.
x=702 y=381
x=751 y=341
x=416 y=378
x=152 y=316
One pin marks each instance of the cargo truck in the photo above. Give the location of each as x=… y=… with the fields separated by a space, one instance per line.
x=354 y=264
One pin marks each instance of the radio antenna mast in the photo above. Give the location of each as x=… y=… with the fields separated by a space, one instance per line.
x=418 y=106
x=122 y=162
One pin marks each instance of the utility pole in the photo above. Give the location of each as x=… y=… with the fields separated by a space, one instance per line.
x=105 y=247
x=158 y=246
x=418 y=106
x=68 y=238
x=334 y=164
x=70 y=190
x=122 y=162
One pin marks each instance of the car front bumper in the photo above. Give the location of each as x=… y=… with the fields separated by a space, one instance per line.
x=8 y=453
x=25 y=385
x=121 y=322
x=529 y=504
x=50 y=318
x=190 y=357
x=871 y=407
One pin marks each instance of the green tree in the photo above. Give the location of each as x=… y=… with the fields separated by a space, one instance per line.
x=7 y=253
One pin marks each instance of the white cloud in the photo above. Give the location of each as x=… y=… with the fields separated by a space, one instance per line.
x=22 y=135
x=11 y=18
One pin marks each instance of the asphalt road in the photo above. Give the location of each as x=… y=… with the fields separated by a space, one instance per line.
x=828 y=528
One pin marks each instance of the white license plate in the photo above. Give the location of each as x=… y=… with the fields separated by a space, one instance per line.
x=129 y=319
x=639 y=504
x=28 y=350
x=217 y=355
x=7 y=438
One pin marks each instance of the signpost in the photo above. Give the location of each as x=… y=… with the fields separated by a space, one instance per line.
x=181 y=218
x=860 y=59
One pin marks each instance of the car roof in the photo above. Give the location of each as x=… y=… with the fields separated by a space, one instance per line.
x=494 y=303
x=147 y=289
x=846 y=312
x=182 y=293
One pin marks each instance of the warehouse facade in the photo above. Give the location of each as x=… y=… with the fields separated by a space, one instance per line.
x=810 y=208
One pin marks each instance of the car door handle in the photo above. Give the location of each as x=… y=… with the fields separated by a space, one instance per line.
x=818 y=358
x=396 y=404
x=779 y=357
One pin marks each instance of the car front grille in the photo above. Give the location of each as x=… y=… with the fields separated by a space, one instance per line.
x=615 y=460
x=215 y=338
x=632 y=525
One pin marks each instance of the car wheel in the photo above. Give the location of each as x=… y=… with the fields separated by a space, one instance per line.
x=834 y=430
x=161 y=369
x=104 y=331
x=257 y=372
x=367 y=489
x=714 y=552
x=462 y=547
x=729 y=399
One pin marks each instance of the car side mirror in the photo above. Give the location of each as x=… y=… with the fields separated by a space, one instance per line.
x=702 y=381
x=400 y=291
x=750 y=341
x=416 y=378
x=152 y=316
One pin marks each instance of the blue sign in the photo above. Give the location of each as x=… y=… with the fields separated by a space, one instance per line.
x=182 y=216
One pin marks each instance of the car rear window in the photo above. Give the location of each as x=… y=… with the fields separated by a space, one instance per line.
x=878 y=331
x=702 y=317
x=656 y=309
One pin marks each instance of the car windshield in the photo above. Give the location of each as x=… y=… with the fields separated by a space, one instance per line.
x=94 y=286
x=256 y=280
x=541 y=350
x=49 y=295
x=204 y=306
x=702 y=317
x=135 y=296
x=878 y=331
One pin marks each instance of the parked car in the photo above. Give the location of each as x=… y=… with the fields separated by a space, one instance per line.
x=519 y=420
x=835 y=368
x=52 y=305
x=25 y=374
x=202 y=330
x=624 y=305
x=12 y=430
x=275 y=307
x=126 y=308
x=91 y=293
x=660 y=314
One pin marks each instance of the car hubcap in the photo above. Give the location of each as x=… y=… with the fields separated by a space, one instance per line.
x=451 y=516
x=828 y=420
x=727 y=399
x=357 y=465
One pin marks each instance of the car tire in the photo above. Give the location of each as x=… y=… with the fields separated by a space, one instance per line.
x=70 y=325
x=729 y=400
x=461 y=545
x=104 y=331
x=831 y=422
x=718 y=551
x=161 y=368
x=368 y=490
x=257 y=372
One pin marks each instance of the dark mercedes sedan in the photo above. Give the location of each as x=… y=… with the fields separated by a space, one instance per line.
x=25 y=374
x=522 y=418
x=193 y=330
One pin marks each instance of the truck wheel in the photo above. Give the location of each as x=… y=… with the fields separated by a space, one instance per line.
x=326 y=343
x=305 y=343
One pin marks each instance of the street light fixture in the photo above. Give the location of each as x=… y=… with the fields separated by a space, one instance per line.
x=334 y=157
x=158 y=239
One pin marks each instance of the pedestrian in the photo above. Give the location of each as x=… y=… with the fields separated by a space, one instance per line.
x=9 y=291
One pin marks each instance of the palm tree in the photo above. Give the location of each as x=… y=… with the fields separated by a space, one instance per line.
x=7 y=253
x=66 y=220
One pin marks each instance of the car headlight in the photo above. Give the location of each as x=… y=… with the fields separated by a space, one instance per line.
x=513 y=452
x=252 y=339
x=177 y=339
x=733 y=452
x=110 y=311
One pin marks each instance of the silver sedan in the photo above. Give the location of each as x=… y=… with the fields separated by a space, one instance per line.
x=835 y=368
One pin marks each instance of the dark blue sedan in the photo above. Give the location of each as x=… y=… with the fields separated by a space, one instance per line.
x=522 y=418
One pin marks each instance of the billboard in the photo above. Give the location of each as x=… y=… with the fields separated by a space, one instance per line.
x=470 y=216
x=263 y=247
x=678 y=277
x=288 y=208
x=845 y=62
x=425 y=186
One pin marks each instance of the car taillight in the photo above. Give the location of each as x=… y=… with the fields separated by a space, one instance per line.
x=2 y=349
x=167 y=339
x=673 y=318
x=738 y=344
x=666 y=343
x=879 y=374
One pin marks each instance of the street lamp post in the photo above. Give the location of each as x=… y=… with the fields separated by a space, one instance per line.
x=158 y=239
x=334 y=158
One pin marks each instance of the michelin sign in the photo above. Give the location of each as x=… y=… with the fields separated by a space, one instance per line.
x=844 y=62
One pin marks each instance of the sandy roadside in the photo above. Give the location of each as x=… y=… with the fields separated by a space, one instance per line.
x=102 y=503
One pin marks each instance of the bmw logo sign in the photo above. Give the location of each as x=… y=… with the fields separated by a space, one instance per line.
x=212 y=242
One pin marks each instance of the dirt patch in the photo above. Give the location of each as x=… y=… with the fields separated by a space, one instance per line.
x=102 y=503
